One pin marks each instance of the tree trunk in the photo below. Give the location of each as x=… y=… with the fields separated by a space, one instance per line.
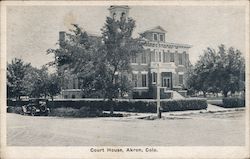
x=204 y=94
x=225 y=93
x=52 y=100
x=111 y=109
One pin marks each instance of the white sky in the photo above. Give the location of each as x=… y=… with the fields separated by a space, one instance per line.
x=31 y=30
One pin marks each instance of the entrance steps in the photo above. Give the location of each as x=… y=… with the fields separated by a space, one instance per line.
x=176 y=95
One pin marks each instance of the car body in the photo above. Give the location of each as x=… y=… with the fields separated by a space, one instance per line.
x=36 y=107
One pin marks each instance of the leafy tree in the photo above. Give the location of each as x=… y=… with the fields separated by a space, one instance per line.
x=230 y=69
x=119 y=47
x=16 y=72
x=77 y=56
x=36 y=82
x=201 y=78
x=222 y=71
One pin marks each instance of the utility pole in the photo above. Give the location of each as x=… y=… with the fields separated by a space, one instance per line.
x=158 y=91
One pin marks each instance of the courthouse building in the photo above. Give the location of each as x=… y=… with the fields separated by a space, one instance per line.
x=170 y=59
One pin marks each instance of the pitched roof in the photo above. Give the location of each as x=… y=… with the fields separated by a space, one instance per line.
x=157 y=29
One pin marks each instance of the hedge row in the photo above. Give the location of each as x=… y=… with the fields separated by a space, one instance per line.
x=233 y=102
x=129 y=106
x=146 y=106
x=183 y=104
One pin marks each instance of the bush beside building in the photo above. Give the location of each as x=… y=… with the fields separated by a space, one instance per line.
x=233 y=102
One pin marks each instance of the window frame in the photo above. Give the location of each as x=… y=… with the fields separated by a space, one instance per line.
x=143 y=57
x=161 y=35
x=172 y=56
x=134 y=59
x=154 y=77
x=155 y=35
x=144 y=81
x=180 y=59
x=135 y=79
x=182 y=79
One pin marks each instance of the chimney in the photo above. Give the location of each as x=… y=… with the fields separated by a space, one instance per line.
x=61 y=37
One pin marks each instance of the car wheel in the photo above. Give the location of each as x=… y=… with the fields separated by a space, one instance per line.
x=33 y=112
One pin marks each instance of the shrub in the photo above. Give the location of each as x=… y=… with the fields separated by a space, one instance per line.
x=15 y=103
x=183 y=104
x=89 y=112
x=104 y=105
x=95 y=107
x=64 y=112
x=233 y=102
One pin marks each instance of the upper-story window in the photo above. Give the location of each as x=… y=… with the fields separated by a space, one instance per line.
x=123 y=16
x=164 y=56
x=152 y=56
x=155 y=37
x=143 y=58
x=180 y=59
x=161 y=37
x=171 y=57
x=133 y=60
x=114 y=15
x=159 y=56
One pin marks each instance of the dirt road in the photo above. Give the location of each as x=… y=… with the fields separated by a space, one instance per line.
x=212 y=129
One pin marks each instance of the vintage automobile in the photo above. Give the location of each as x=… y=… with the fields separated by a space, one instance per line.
x=36 y=107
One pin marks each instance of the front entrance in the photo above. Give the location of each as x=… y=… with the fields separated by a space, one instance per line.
x=166 y=82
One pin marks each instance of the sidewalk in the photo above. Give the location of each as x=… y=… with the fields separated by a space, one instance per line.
x=210 y=109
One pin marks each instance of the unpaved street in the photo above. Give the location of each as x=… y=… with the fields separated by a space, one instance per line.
x=210 y=129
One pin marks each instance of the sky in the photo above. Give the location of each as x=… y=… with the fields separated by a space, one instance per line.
x=31 y=30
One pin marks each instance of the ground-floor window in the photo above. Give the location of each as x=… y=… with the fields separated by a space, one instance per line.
x=180 y=79
x=144 y=80
x=154 y=77
x=74 y=83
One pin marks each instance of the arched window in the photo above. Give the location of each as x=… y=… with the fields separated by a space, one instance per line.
x=114 y=15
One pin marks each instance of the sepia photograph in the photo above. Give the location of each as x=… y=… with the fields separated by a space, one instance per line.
x=125 y=79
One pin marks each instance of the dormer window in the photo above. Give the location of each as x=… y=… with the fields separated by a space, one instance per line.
x=123 y=16
x=114 y=15
x=161 y=37
x=155 y=37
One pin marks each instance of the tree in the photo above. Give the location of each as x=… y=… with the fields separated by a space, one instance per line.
x=119 y=47
x=36 y=82
x=16 y=72
x=77 y=56
x=102 y=64
x=222 y=71
x=201 y=78
x=231 y=67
